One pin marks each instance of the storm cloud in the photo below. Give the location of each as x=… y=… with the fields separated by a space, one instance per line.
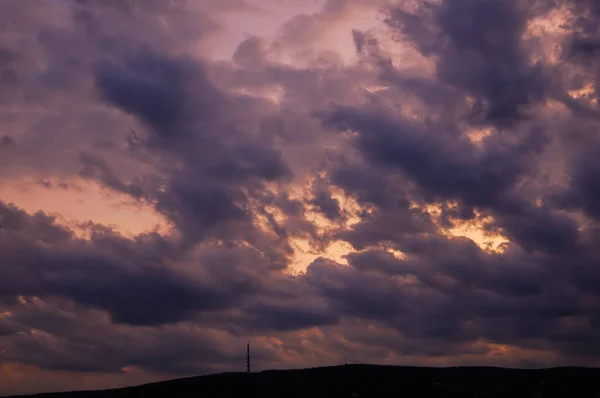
x=420 y=193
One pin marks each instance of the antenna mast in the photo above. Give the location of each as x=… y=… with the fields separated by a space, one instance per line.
x=248 y=357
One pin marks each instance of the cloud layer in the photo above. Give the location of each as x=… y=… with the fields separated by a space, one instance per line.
x=425 y=196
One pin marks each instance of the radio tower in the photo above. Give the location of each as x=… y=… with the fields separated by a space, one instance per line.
x=248 y=357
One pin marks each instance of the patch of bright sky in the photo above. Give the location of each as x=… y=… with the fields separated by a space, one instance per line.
x=476 y=136
x=472 y=230
x=304 y=252
x=83 y=201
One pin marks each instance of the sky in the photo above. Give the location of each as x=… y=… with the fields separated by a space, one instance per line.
x=411 y=182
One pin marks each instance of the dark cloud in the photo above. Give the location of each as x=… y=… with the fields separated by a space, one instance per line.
x=187 y=119
x=148 y=87
x=360 y=40
x=442 y=166
x=434 y=161
x=250 y=52
x=480 y=50
x=327 y=205
x=7 y=141
x=100 y=347
x=96 y=169
x=432 y=295
x=127 y=278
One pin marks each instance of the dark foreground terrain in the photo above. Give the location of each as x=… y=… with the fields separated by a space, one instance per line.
x=371 y=382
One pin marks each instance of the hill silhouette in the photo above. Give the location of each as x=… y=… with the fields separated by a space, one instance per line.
x=369 y=381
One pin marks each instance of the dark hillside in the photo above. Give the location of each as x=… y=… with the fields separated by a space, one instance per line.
x=371 y=381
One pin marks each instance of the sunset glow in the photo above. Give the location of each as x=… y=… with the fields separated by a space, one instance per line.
x=396 y=182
